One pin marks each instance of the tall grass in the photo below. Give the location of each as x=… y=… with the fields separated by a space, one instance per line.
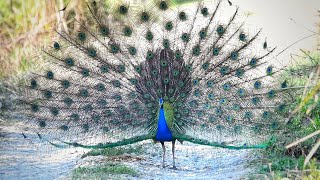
x=298 y=142
x=24 y=25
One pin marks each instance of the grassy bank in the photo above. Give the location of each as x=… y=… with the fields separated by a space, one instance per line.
x=294 y=161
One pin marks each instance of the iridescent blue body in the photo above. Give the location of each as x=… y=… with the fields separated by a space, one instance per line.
x=163 y=132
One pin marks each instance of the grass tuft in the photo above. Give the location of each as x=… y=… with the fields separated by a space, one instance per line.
x=280 y=162
x=104 y=171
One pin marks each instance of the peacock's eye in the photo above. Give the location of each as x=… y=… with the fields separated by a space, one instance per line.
x=56 y=45
x=166 y=43
x=144 y=17
x=169 y=26
x=242 y=37
x=185 y=37
x=50 y=75
x=104 y=31
x=220 y=30
x=269 y=70
x=163 y=5
x=202 y=34
x=82 y=36
x=204 y=11
x=182 y=16
x=127 y=31
x=149 y=36
x=123 y=9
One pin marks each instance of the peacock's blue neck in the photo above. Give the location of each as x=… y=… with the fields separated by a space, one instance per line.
x=163 y=132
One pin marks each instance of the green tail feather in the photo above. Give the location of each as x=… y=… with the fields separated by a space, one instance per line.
x=151 y=136
x=222 y=145
x=106 y=145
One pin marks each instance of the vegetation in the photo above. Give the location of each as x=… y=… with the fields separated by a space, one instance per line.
x=110 y=169
x=294 y=160
x=104 y=171
x=23 y=24
x=26 y=26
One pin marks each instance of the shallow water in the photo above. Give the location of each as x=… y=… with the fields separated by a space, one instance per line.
x=25 y=159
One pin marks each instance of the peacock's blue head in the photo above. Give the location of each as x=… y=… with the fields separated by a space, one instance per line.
x=161 y=103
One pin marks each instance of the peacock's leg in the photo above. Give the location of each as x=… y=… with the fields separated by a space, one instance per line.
x=164 y=153
x=173 y=143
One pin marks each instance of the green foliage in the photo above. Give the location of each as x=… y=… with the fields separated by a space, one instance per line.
x=104 y=171
x=107 y=170
x=314 y=172
x=305 y=121
x=284 y=163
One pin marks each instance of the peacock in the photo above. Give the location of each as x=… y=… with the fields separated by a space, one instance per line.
x=133 y=71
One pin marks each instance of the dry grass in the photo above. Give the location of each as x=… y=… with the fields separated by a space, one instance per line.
x=22 y=26
x=26 y=27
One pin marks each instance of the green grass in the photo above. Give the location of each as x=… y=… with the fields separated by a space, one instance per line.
x=110 y=169
x=117 y=151
x=104 y=171
x=279 y=160
x=287 y=167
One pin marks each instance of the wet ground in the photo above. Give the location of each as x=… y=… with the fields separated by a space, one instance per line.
x=25 y=159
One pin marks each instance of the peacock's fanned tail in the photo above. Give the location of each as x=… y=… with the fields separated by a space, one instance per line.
x=103 y=78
